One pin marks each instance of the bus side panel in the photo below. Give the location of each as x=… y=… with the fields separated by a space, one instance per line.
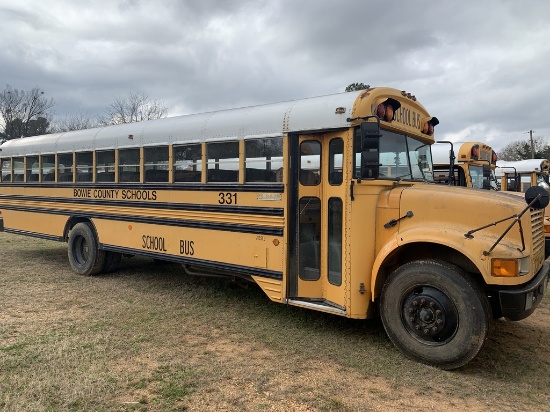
x=34 y=223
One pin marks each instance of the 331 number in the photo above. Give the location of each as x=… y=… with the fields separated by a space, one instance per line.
x=227 y=198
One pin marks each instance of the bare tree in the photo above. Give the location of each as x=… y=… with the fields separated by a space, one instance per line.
x=136 y=107
x=521 y=150
x=20 y=108
x=74 y=122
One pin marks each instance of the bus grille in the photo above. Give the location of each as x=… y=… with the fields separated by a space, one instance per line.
x=537 y=224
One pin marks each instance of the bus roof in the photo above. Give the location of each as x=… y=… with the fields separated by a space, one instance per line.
x=522 y=166
x=270 y=120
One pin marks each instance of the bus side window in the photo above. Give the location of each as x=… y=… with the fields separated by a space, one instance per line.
x=84 y=162
x=263 y=160
x=222 y=162
x=65 y=167
x=6 y=169
x=105 y=166
x=128 y=167
x=187 y=163
x=47 y=168
x=156 y=164
x=18 y=169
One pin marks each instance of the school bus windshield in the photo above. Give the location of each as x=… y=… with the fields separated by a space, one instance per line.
x=403 y=157
x=476 y=176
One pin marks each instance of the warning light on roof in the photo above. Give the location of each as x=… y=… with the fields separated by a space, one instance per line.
x=428 y=126
x=475 y=152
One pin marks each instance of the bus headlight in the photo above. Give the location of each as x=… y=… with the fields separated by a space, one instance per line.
x=510 y=267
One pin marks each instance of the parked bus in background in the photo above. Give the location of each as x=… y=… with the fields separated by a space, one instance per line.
x=520 y=175
x=475 y=165
x=325 y=203
x=466 y=164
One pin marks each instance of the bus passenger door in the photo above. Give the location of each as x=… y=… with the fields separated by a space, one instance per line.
x=317 y=206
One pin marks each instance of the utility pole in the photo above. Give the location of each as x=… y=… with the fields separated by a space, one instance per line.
x=532 y=145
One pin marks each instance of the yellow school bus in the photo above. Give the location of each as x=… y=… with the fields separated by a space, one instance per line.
x=520 y=175
x=326 y=203
x=467 y=164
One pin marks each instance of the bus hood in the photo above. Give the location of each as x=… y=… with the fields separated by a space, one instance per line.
x=454 y=212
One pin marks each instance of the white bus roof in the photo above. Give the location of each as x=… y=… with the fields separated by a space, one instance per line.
x=256 y=121
x=519 y=166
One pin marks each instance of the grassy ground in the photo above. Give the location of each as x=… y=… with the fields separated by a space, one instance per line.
x=149 y=338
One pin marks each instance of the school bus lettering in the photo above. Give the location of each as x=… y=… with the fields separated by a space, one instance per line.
x=106 y=193
x=82 y=193
x=153 y=243
x=227 y=198
x=139 y=194
x=187 y=247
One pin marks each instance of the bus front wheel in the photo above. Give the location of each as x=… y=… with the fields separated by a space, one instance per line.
x=85 y=256
x=435 y=314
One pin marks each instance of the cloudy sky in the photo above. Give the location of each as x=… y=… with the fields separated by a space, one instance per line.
x=481 y=67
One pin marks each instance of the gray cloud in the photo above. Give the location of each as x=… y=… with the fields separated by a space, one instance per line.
x=481 y=68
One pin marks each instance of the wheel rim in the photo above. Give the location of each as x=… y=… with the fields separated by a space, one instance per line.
x=81 y=251
x=429 y=315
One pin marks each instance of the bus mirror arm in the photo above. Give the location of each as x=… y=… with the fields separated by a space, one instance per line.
x=516 y=217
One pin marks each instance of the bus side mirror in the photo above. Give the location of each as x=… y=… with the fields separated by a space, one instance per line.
x=539 y=195
x=370 y=149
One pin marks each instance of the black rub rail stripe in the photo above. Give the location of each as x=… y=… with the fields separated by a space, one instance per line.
x=245 y=270
x=228 y=227
x=34 y=234
x=209 y=187
x=246 y=210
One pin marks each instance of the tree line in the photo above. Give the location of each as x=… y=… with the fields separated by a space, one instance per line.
x=26 y=113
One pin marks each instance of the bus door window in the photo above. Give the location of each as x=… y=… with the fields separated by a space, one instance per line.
x=310 y=158
x=65 y=167
x=310 y=237
x=222 y=162
x=309 y=230
x=128 y=166
x=335 y=178
x=336 y=151
x=335 y=241
x=156 y=164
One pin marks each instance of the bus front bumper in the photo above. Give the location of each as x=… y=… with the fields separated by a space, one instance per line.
x=519 y=303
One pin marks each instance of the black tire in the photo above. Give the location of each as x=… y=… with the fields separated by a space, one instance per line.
x=546 y=248
x=112 y=262
x=435 y=314
x=85 y=256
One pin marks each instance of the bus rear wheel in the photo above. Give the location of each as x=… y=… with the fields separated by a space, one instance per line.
x=85 y=256
x=435 y=314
